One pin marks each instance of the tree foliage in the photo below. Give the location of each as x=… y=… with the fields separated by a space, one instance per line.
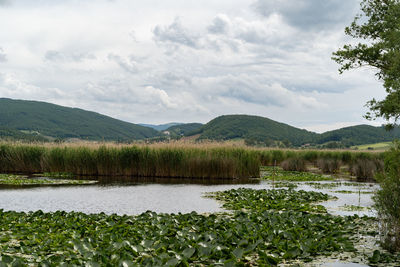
x=63 y=122
x=387 y=199
x=378 y=25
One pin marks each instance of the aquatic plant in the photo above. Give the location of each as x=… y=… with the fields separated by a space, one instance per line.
x=274 y=173
x=215 y=162
x=324 y=185
x=278 y=199
x=266 y=234
x=9 y=179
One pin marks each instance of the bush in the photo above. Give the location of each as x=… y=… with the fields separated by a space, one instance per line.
x=387 y=200
x=366 y=169
x=329 y=165
x=294 y=164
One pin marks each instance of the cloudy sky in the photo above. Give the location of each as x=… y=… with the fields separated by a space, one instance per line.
x=158 y=61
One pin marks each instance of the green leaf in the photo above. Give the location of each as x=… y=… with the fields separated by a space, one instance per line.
x=376 y=257
x=188 y=252
x=238 y=252
x=172 y=262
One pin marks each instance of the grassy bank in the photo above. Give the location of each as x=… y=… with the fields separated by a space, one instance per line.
x=146 y=161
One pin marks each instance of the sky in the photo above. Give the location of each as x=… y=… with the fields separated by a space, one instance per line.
x=160 y=61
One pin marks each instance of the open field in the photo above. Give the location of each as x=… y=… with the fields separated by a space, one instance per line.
x=376 y=146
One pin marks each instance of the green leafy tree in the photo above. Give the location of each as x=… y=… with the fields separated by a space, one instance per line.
x=387 y=200
x=378 y=26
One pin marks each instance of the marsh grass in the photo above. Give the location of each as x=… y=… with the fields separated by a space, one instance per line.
x=146 y=161
x=366 y=168
x=175 y=159
x=294 y=164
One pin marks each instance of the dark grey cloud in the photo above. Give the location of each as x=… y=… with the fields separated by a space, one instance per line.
x=57 y=56
x=176 y=34
x=3 y=56
x=5 y=2
x=220 y=25
x=310 y=14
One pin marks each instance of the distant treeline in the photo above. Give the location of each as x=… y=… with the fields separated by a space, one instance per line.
x=259 y=131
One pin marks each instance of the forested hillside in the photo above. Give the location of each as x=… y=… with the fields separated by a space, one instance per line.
x=63 y=122
x=253 y=128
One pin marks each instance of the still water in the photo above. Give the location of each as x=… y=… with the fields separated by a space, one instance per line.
x=163 y=195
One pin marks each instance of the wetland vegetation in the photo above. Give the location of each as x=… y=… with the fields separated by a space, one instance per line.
x=185 y=161
x=281 y=228
x=262 y=227
x=12 y=179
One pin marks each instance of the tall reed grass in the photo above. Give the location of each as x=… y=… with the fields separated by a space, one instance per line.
x=146 y=161
x=363 y=165
x=176 y=160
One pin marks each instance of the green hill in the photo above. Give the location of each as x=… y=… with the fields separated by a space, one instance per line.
x=358 y=135
x=254 y=128
x=56 y=121
x=13 y=135
x=184 y=129
x=259 y=130
x=38 y=121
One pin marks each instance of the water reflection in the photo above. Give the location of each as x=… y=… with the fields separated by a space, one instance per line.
x=127 y=195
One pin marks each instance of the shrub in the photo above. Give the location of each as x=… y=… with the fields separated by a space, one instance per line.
x=329 y=165
x=387 y=200
x=294 y=164
x=366 y=169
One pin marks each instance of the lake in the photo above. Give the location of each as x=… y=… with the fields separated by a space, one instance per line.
x=135 y=196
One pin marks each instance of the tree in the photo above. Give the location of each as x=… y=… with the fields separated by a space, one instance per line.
x=379 y=27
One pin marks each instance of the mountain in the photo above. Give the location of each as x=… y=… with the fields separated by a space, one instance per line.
x=184 y=129
x=57 y=121
x=38 y=121
x=255 y=128
x=13 y=135
x=160 y=127
x=359 y=134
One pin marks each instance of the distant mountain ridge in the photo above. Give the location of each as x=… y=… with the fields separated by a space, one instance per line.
x=64 y=122
x=264 y=130
x=184 y=129
x=160 y=127
x=38 y=121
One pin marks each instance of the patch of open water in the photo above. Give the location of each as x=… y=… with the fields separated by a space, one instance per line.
x=134 y=196
x=162 y=195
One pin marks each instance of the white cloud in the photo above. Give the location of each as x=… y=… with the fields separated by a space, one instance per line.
x=12 y=87
x=3 y=56
x=160 y=61
x=310 y=14
x=57 y=56
x=129 y=64
x=175 y=34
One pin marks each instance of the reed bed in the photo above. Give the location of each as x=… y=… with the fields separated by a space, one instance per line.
x=177 y=159
x=141 y=161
